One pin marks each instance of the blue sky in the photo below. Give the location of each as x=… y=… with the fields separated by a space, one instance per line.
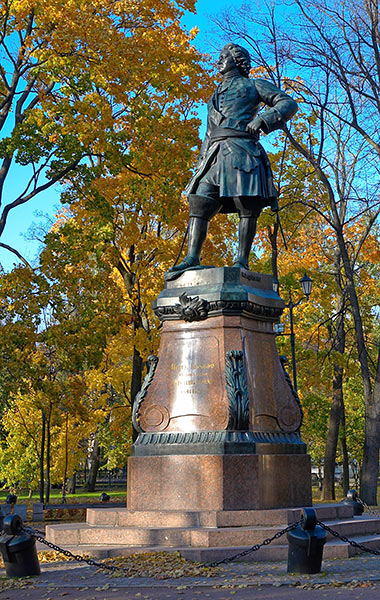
x=21 y=218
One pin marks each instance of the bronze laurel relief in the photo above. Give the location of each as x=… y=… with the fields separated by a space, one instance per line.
x=152 y=365
x=191 y=309
x=237 y=391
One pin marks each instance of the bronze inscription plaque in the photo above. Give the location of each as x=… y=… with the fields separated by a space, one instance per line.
x=188 y=385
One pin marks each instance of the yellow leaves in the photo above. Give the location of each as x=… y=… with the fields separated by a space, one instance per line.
x=160 y=565
x=193 y=32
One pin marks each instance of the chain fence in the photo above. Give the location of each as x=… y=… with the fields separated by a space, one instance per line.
x=256 y=547
x=343 y=538
x=94 y=563
x=32 y=531
x=78 y=557
x=40 y=537
x=374 y=513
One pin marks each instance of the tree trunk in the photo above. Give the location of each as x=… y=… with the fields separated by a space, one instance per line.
x=320 y=477
x=48 y=444
x=328 y=488
x=129 y=279
x=370 y=467
x=94 y=460
x=72 y=484
x=64 y=484
x=343 y=445
x=42 y=458
x=137 y=366
x=272 y=234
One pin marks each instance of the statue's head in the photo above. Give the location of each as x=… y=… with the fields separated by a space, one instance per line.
x=240 y=56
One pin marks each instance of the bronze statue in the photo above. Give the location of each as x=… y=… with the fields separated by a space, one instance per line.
x=233 y=173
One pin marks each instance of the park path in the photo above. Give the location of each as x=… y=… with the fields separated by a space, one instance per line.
x=138 y=593
x=356 y=578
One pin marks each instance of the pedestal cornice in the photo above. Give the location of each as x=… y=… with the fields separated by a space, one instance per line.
x=201 y=293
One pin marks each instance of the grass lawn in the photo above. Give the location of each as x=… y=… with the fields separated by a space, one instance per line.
x=317 y=496
x=117 y=495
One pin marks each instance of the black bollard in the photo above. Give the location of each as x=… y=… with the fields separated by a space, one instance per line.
x=352 y=500
x=18 y=549
x=11 y=499
x=306 y=545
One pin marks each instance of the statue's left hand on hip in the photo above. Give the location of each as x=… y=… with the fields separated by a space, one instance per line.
x=254 y=126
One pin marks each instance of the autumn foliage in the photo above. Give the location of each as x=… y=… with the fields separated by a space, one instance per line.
x=104 y=95
x=100 y=97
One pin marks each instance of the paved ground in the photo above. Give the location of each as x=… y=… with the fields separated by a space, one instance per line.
x=137 y=593
x=356 y=578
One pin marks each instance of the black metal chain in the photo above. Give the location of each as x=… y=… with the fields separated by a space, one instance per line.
x=77 y=557
x=373 y=512
x=31 y=531
x=345 y=539
x=256 y=547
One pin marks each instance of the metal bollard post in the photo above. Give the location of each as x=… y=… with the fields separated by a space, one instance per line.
x=306 y=545
x=352 y=500
x=18 y=549
x=11 y=499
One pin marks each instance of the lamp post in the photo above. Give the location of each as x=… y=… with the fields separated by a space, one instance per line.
x=306 y=284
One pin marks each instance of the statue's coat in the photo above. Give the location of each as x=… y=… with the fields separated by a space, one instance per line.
x=241 y=164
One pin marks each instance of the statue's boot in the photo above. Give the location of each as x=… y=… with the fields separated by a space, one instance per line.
x=197 y=234
x=247 y=230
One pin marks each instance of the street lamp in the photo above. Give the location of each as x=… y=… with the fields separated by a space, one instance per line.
x=306 y=284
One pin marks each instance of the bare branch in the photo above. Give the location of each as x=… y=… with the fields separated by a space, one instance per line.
x=22 y=199
x=17 y=253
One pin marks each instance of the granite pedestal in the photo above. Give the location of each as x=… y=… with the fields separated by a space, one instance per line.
x=218 y=421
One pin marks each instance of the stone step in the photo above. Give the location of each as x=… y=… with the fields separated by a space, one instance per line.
x=273 y=553
x=206 y=537
x=83 y=534
x=359 y=525
x=332 y=549
x=248 y=536
x=337 y=549
x=232 y=518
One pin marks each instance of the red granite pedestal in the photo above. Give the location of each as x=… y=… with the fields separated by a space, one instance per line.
x=218 y=482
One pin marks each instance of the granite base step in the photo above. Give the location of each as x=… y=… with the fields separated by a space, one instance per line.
x=332 y=550
x=207 y=536
x=194 y=537
x=218 y=518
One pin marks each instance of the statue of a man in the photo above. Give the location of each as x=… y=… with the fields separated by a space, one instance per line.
x=233 y=173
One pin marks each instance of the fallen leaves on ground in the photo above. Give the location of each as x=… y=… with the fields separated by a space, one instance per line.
x=65 y=514
x=160 y=565
x=15 y=584
x=334 y=584
x=49 y=556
